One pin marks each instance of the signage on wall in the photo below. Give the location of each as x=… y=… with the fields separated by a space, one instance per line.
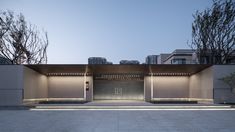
x=117 y=91
x=87 y=86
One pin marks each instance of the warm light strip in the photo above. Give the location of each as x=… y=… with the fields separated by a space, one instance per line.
x=66 y=74
x=134 y=107
x=119 y=75
x=229 y=109
x=170 y=74
x=153 y=99
x=55 y=99
x=181 y=99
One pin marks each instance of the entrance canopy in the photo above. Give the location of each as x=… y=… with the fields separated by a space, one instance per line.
x=80 y=70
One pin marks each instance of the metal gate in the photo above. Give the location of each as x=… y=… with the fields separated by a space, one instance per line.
x=119 y=89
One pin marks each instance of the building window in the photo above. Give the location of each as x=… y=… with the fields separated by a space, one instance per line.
x=178 y=61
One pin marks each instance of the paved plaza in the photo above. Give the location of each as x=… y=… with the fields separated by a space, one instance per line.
x=117 y=120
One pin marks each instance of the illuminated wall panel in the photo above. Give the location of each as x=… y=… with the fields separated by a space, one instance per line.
x=201 y=84
x=35 y=84
x=170 y=87
x=65 y=87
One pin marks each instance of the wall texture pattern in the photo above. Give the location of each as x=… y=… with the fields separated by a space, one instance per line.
x=222 y=92
x=11 y=85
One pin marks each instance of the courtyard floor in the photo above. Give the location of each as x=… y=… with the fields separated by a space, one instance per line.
x=117 y=120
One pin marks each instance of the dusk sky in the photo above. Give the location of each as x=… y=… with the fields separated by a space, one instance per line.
x=115 y=29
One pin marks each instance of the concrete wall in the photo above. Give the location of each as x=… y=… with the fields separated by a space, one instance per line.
x=11 y=85
x=201 y=84
x=222 y=92
x=167 y=87
x=170 y=87
x=147 y=88
x=67 y=87
x=35 y=84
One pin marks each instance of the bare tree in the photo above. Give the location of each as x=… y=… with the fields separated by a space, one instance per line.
x=20 y=42
x=213 y=33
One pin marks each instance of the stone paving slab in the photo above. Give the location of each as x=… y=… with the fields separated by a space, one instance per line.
x=116 y=121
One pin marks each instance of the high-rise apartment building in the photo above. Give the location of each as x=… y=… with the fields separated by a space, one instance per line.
x=98 y=60
x=124 y=62
x=151 y=59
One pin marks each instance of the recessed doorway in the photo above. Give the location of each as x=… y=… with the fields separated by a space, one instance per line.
x=119 y=87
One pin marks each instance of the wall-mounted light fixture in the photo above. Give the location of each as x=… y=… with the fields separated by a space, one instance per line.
x=67 y=74
x=169 y=74
x=87 y=86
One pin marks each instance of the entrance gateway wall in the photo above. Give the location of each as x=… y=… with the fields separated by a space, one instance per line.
x=20 y=83
x=121 y=86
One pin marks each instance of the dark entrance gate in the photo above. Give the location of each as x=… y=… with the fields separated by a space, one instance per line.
x=118 y=86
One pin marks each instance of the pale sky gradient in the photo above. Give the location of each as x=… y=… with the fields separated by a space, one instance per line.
x=115 y=29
